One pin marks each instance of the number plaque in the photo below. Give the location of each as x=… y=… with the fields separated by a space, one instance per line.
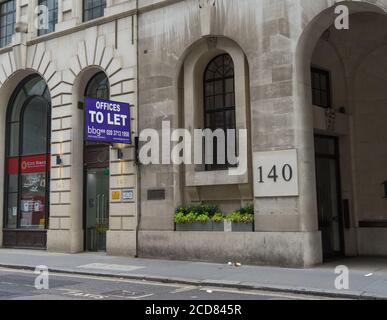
x=276 y=174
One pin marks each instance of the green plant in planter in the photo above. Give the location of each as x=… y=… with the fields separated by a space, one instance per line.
x=240 y=217
x=190 y=217
x=247 y=218
x=247 y=210
x=234 y=217
x=218 y=217
x=202 y=218
x=210 y=210
x=199 y=209
x=180 y=218
x=199 y=217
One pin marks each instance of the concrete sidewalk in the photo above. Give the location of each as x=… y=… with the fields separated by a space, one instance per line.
x=368 y=276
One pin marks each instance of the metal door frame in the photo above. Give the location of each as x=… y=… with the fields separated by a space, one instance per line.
x=86 y=167
x=336 y=158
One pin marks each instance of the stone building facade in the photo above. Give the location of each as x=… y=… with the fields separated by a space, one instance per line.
x=301 y=86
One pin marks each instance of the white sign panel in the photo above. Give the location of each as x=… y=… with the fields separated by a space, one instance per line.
x=128 y=195
x=276 y=174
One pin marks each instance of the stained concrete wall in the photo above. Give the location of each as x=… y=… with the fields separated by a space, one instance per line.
x=267 y=32
x=290 y=249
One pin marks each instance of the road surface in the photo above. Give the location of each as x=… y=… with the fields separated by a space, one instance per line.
x=20 y=285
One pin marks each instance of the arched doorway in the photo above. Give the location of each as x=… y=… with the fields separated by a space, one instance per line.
x=26 y=195
x=96 y=181
x=341 y=82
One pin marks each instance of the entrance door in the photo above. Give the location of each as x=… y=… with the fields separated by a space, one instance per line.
x=97 y=197
x=329 y=195
x=96 y=155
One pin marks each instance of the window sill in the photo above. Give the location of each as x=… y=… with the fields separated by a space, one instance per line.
x=7 y=48
x=214 y=178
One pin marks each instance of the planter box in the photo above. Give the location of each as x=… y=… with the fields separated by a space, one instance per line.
x=218 y=226
x=238 y=227
x=209 y=226
x=196 y=226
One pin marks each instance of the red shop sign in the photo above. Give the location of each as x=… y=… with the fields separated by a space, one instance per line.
x=29 y=164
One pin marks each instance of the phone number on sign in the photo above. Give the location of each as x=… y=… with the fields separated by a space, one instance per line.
x=116 y=133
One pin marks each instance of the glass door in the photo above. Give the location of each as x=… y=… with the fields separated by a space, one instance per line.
x=97 y=209
x=329 y=195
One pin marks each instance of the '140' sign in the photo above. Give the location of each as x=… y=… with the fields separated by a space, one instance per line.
x=276 y=174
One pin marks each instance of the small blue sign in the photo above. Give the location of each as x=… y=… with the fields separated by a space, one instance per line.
x=107 y=121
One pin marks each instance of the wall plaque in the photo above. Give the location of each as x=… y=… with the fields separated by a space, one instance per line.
x=276 y=174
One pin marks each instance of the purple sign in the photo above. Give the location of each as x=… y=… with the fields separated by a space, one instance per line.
x=107 y=121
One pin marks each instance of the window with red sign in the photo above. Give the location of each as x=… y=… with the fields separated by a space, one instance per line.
x=28 y=143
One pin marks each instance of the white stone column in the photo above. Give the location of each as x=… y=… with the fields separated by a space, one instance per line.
x=207 y=16
x=77 y=10
x=32 y=16
x=288 y=123
x=121 y=237
x=60 y=11
x=18 y=10
x=66 y=190
x=20 y=26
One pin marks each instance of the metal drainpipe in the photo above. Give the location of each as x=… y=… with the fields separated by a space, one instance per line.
x=138 y=191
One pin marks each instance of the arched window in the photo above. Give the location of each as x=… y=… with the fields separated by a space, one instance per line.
x=98 y=87
x=219 y=98
x=28 y=156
